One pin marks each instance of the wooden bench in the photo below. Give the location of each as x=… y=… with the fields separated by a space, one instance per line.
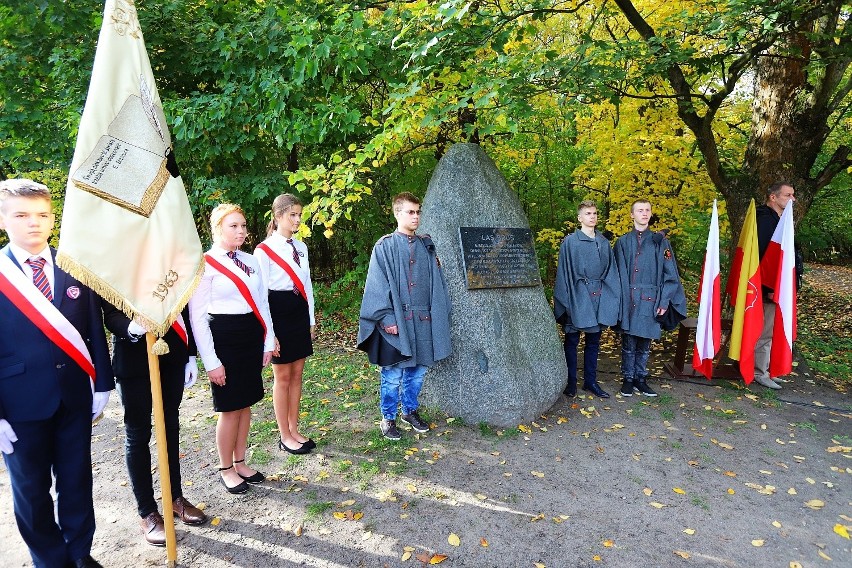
x=681 y=369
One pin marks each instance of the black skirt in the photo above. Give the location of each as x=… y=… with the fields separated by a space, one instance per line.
x=292 y=324
x=238 y=340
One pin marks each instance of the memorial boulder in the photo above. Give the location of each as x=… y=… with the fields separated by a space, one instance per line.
x=507 y=365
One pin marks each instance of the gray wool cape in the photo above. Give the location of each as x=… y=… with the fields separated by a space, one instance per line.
x=649 y=280
x=386 y=299
x=587 y=294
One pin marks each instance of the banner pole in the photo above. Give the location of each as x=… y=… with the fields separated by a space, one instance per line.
x=162 y=452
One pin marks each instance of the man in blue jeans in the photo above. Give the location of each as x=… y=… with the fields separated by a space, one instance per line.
x=650 y=287
x=404 y=325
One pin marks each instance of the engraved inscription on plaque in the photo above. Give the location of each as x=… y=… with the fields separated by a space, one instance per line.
x=498 y=257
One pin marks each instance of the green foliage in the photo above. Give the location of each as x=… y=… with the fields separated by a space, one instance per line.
x=824 y=234
x=346 y=105
x=340 y=301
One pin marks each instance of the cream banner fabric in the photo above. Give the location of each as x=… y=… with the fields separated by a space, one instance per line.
x=127 y=229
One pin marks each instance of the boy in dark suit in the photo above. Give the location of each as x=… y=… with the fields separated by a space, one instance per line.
x=55 y=378
x=178 y=369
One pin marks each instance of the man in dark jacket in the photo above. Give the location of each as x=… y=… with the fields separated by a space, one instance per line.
x=178 y=370
x=650 y=289
x=55 y=378
x=777 y=196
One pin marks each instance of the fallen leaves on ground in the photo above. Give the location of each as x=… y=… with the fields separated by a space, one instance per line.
x=454 y=539
x=842 y=530
x=683 y=554
x=815 y=504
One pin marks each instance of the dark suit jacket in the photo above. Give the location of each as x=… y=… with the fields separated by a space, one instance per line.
x=35 y=374
x=130 y=358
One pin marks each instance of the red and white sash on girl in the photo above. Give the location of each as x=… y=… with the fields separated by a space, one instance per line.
x=180 y=328
x=241 y=286
x=20 y=290
x=287 y=268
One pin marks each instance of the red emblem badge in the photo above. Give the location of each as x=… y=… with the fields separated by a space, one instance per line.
x=667 y=254
x=73 y=292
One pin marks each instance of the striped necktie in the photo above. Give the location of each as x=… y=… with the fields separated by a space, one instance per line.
x=39 y=277
x=233 y=256
x=295 y=252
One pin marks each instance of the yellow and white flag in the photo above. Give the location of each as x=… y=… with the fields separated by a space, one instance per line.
x=127 y=229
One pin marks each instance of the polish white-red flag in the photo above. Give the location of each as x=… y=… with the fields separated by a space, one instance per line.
x=778 y=271
x=708 y=334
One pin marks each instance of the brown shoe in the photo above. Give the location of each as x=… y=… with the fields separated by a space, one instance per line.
x=153 y=529
x=187 y=512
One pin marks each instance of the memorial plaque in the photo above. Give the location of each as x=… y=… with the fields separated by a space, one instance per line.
x=498 y=257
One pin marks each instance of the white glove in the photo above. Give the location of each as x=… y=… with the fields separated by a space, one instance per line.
x=7 y=437
x=191 y=373
x=99 y=402
x=134 y=330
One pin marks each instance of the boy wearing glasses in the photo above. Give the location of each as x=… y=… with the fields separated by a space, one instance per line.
x=404 y=325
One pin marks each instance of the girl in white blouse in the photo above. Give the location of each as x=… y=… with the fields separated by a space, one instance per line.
x=235 y=340
x=286 y=274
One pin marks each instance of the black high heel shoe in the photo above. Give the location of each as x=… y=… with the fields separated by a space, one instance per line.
x=301 y=450
x=242 y=487
x=256 y=478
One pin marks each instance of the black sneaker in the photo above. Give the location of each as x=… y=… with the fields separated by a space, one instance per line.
x=415 y=422
x=642 y=388
x=389 y=429
x=626 y=388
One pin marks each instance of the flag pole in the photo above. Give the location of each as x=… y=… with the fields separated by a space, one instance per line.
x=162 y=452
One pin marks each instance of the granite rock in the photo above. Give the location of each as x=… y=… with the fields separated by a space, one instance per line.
x=508 y=365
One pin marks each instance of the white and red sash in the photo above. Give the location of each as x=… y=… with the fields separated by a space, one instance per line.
x=287 y=268
x=241 y=286
x=180 y=328
x=20 y=290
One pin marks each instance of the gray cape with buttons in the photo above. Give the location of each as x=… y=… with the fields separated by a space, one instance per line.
x=386 y=297
x=587 y=294
x=649 y=280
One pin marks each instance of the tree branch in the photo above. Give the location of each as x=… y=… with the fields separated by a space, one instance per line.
x=838 y=162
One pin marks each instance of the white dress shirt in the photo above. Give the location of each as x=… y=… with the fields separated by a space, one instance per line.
x=276 y=278
x=22 y=256
x=217 y=294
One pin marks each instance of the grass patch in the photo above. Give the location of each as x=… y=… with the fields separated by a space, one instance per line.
x=824 y=337
x=806 y=426
x=317 y=509
x=701 y=502
x=487 y=431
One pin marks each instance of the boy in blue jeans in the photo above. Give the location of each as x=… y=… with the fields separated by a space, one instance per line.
x=404 y=325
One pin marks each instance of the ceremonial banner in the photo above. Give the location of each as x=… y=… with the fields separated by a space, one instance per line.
x=745 y=295
x=778 y=271
x=708 y=333
x=127 y=229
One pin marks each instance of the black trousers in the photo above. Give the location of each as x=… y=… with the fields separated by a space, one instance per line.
x=60 y=445
x=136 y=397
